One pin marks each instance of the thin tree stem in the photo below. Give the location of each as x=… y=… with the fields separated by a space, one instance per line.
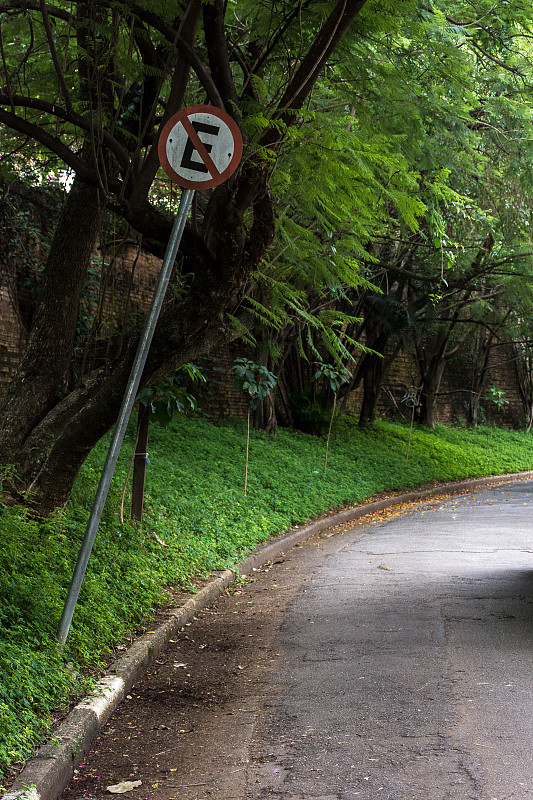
x=247 y=449
x=125 y=486
x=410 y=432
x=330 y=426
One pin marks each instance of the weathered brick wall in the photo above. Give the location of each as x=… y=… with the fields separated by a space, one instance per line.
x=219 y=397
x=124 y=279
x=12 y=335
x=402 y=375
x=129 y=280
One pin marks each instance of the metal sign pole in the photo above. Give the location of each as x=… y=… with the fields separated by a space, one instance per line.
x=193 y=164
x=124 y=415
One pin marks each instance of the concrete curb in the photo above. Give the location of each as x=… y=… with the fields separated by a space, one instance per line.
x=47 y=774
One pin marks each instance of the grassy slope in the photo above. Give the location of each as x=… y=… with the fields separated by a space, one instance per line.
x=197 y=520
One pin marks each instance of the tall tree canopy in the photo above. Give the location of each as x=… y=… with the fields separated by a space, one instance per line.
x=373 y=130
x=439 y=115
x=88 y=85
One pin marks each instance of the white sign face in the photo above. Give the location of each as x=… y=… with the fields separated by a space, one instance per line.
x=200 y=147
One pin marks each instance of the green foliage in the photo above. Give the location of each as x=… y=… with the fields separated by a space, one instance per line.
x=310 y=408
x=170 y=396
x=257 y=382
x=254 y=380
x=332 y=376
x=310 y=411
x=416 y=143
x=34 y=678
x=195 y=522
x=497 y=396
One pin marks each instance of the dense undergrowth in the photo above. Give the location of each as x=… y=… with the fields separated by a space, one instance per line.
x=197 y=519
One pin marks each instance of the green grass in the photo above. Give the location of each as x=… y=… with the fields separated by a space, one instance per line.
x=196 y=520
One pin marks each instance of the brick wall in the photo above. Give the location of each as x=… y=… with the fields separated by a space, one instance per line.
x=128 y=290
x=219 y=397
x=402 y=375
x=12 y=334
x=125 y=279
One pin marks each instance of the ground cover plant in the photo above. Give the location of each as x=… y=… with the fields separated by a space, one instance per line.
x=197 y=519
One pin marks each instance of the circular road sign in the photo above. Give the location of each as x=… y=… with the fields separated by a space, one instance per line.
x=200 y=147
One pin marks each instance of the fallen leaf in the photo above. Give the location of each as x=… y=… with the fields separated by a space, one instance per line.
x=123 y=786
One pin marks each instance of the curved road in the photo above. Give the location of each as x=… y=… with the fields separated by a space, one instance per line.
x=407 y=667
x=393 y=661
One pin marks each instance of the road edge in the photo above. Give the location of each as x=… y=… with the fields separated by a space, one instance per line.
x=49 y=772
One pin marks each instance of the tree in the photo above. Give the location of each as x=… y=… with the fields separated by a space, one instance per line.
x=452 y=88
x=418 y=112
x=88 y=87
x=256 y=382
x=334 y=378
x=455 y=83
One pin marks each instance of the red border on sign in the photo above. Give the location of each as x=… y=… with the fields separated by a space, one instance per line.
x=183 y=117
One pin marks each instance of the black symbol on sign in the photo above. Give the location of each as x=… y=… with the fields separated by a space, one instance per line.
x=186 y=161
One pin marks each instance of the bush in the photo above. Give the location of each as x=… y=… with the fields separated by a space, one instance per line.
x=310 y=414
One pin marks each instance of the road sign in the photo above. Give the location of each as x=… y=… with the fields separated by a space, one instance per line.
x=200 y=147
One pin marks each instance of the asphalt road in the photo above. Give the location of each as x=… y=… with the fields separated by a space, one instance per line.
x=407 y=662
x=392 y=660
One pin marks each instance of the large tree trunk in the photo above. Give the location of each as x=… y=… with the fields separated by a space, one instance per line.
x=44 y=374
x=73 y=417
x=524 y=371
x=432 y=369
x=480 y=366
x=50 y=421
x=372 y=375
x=50 y=457
x=370 y=369
x=429 y=394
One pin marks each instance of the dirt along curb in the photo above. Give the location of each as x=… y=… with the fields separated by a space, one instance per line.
x=47 y=774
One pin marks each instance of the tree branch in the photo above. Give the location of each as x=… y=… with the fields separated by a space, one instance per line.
x=23 y=6
x=173 y=36
x=274 y=39
x=217 y=51
x=143 y=181
x=323 y=45
x=51 y=143
x=170 y=33
x=53 y=53
x=502 y=64
x=68 y=116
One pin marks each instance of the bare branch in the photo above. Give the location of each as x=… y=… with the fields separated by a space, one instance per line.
x=55 y=60
x=192 y=58
x=170 y=33
x=68 y=116
x=217 y=49
x=325 y=42
x=274 y=39
x=55 y=145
